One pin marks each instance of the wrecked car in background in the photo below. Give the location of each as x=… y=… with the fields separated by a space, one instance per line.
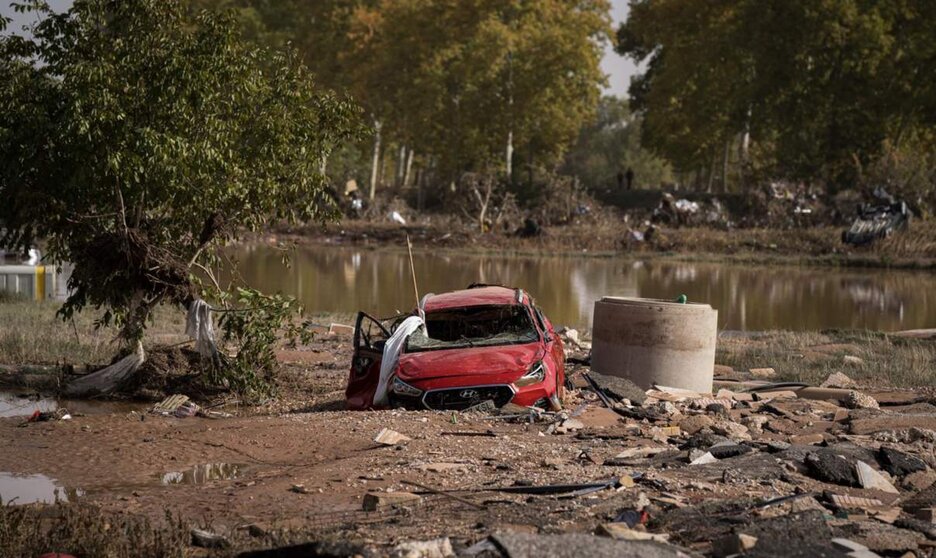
x=877 y=221
x=485 y=345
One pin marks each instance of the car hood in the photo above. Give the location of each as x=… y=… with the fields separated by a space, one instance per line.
x=473 y=361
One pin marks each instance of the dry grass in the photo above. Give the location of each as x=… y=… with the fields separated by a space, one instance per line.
x=886 y=360
x=81 y=530
x=31 y=333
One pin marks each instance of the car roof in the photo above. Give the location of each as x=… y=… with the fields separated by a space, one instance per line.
x=479 y=296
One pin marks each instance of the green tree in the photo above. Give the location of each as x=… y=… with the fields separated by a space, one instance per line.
x=819 y=87
x=135 y=141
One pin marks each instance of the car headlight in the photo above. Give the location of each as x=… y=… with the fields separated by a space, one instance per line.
x=400 y=387
x=536 y=375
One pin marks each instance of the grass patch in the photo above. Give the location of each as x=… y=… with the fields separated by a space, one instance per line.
x=886 y=360
x=81 y=530
x=31 y=333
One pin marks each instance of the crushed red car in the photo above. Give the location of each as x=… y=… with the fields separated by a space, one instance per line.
x=484 y=343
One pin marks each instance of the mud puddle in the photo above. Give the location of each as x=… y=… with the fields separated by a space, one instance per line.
x=31 y=489
x=24 y=404
x=203 y=474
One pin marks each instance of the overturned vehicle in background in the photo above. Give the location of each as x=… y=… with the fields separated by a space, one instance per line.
x=875 y=222
x=483 y=346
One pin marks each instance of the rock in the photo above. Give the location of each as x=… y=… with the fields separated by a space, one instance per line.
x=387 y=437
x=726 y=451
x=829 y=467
x=763 y=373
x=848 y=546
x=736 y=543
x=731 y=430
x=620 y=388
x=858 y=400
x=694 y=423
x=873 y=480
x=755 y=422
x=704 y=459
x=569 y=425
x=718 y=410
x=374 y=501
x=898 y=463
x=838 y=380
x=919 y=480
x=436 y=548
x=207 y=539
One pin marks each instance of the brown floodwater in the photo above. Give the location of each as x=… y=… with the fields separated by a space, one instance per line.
x=747 y=297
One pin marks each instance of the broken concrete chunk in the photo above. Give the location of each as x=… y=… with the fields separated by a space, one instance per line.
x=846 y=502
x=374 y=501
x=705 y=459
x=619 y=388
x=755 y=422
x=873 y=480
x=898 y=463
x=919 y=480
x=858 y=400
x=838 y=380
x=730 y=545
x=387 y=437
x=829 y=467
x=807 y=439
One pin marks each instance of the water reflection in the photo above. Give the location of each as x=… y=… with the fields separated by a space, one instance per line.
x=747 y=297
x=31 y=489
x=201 y=474
x=21 y=404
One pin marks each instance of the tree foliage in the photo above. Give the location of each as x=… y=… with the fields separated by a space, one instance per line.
x=819 y=85
x=135 y=140
x=451 y=80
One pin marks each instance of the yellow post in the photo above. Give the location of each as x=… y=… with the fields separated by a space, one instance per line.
x=40 y=283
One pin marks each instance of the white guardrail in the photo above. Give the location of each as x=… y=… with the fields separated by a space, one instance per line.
x=36 y=282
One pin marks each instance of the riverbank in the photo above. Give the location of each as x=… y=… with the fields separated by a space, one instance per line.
x=822 y=246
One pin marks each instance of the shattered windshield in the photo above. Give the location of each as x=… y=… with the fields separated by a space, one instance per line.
x=475 y=326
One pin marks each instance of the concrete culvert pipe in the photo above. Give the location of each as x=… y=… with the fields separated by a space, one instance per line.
x=652 y=341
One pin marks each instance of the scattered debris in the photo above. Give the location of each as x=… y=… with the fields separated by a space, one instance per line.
x=387 y=437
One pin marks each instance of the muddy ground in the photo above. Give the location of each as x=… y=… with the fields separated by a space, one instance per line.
x=301 y=464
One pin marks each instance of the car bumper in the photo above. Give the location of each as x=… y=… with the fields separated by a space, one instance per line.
x=459 y=398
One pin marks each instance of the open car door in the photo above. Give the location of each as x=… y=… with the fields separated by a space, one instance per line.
x=370 y=336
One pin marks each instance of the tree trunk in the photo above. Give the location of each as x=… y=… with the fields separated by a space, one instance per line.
x=375 y=162
x=724 y=185
x=408 y=170
x=509 y=162
x=401 y=162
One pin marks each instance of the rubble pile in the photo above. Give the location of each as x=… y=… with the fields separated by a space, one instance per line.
x=760 y=469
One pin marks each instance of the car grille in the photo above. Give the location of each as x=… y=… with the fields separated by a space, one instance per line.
x=458 y=399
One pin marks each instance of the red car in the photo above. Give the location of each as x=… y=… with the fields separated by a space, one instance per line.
x=484 y=343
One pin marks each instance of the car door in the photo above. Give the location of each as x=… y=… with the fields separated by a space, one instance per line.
x=554 y=348
x=370 y=336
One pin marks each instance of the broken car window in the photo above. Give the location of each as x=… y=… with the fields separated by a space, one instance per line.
x=475 y=326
